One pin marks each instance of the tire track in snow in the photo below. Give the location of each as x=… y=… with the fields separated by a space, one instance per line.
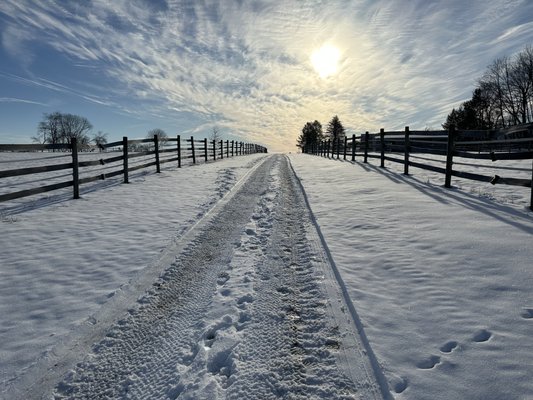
x=290 y=348
x=138 y=357
x=243 y=313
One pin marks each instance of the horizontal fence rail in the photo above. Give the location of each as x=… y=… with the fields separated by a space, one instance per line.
x=134 y=155
x=391 y=146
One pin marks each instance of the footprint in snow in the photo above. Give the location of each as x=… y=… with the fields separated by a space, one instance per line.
x=398 y=384
x=448 y=347
x=482 y=336
x=428 y=363
x=284 y=290
x=247 y=298
x=223 y=277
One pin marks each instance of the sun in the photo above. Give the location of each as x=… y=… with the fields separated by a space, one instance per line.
x=325 y=60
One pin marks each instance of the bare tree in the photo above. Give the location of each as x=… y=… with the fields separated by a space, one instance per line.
x=504 y=95
x=215 y=135
x=100 y=139
x=521 y=81
x=57 y=128
x=74 y=126
x=49 y=129
x=162 y=136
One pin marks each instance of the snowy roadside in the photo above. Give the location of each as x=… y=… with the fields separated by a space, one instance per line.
x=61 y=262
x=441 y=279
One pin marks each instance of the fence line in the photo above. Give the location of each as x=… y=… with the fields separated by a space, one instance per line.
x=451 y=143
x=154 y=147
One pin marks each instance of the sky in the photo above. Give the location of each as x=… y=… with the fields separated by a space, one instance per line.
x=251 y=69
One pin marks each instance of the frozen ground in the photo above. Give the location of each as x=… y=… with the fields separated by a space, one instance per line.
x=213 y=282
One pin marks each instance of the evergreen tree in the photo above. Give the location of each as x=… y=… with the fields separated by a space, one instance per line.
x=310 y=136
x=335 y=130
x=476 y=113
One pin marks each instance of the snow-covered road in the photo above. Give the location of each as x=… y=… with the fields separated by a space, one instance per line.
x=249 y=308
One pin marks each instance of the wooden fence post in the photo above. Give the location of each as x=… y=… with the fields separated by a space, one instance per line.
x=125 y=158
x=227 y=148
x=75 y=168
x=353 y=147
x=179 y=151
x=406 y=152
x=221 y=149
x=345 y=145
x=205 y=149
x=192 y=148
x=382 y=140
x=156 y=150
x=213 y=142
x=367 y=139
x=232 y=147
x=531 y=201
x=449 y=156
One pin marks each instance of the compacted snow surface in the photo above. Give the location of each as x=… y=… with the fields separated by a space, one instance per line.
x=218 y=281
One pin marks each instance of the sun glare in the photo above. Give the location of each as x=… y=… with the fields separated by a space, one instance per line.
x=325 y=60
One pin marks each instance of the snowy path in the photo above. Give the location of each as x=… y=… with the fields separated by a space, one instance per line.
x=249 y=309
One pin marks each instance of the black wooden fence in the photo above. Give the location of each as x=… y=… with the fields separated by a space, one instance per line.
x=390 y=146
x=154 y=151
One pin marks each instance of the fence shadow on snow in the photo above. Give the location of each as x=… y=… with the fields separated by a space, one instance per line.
x=514 y=143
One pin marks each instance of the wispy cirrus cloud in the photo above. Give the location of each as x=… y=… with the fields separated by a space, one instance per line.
x=245 y=66
x=15 y=100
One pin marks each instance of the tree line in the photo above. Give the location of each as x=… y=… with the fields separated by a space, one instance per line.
x=61 y=128
x=312 y=133
x=503 y=96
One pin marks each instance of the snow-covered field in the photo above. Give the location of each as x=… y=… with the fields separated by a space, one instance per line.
x=19 y=160
x=440 y=279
